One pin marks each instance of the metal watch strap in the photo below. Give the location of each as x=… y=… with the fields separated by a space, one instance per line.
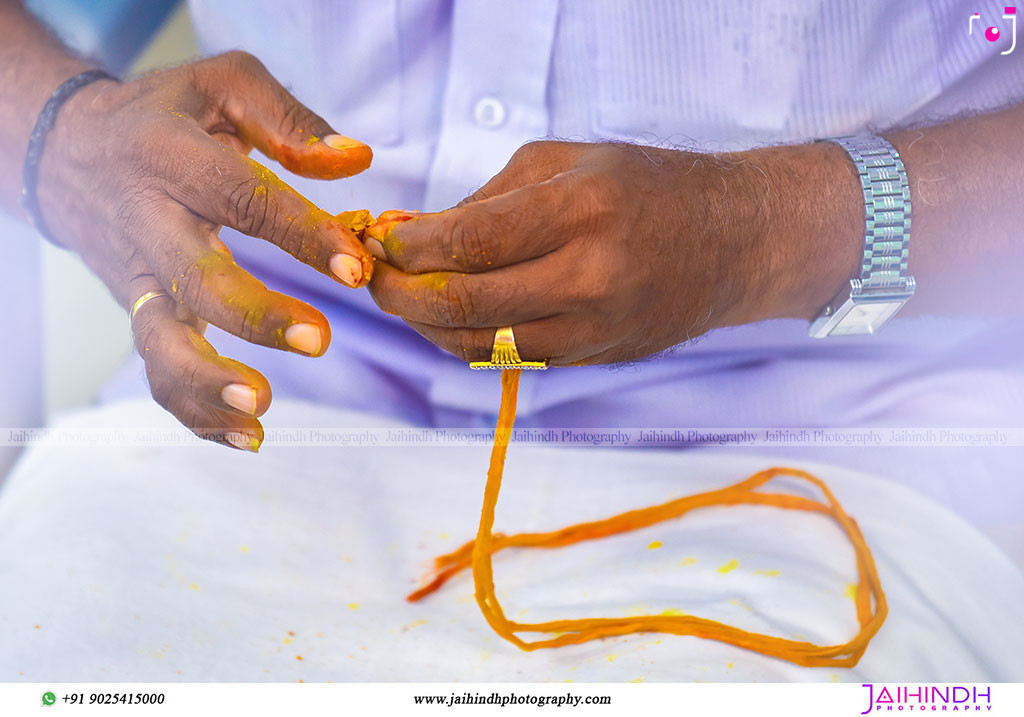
x=883 y=286
x=887 y=212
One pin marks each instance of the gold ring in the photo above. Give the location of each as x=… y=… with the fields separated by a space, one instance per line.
x=504 y=354
x=141 y=301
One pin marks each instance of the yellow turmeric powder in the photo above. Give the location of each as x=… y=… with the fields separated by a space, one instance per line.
x=477 y=555
x=357 y=220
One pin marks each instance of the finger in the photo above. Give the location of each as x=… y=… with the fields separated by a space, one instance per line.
x=514 y=227
x=557 y=339
x=216 y=397
x=382 y=229
x=228 y=188
x=214 y=425
x=502 y=297
x=181 y=359
x=194 y=266
x=268 y=117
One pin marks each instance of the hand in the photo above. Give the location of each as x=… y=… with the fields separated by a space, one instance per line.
x=601 y=253
x=139 y=177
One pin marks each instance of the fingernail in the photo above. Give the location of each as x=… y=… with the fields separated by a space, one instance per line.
x=347 y=268
x=240 y=397
x=375 y=247
x=304 y=338
x=340 y=142
x=243 y=442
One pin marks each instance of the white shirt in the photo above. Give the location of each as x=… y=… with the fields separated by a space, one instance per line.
x=446 y=90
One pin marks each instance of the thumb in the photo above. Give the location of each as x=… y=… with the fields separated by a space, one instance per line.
x=270 y=119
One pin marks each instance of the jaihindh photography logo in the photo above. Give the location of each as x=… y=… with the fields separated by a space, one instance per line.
x=927 y=698
x=993 y=32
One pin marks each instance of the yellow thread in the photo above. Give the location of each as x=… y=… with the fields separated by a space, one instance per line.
x=477 y=554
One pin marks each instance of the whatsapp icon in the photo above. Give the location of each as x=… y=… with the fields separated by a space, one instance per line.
x=49 y=698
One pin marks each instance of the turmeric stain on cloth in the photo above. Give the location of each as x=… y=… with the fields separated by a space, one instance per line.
x=477 y=555
x=728 y=567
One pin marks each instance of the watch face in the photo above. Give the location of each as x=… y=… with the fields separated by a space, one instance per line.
x=866 y=317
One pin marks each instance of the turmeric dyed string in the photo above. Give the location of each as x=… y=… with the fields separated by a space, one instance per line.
x=477 y=555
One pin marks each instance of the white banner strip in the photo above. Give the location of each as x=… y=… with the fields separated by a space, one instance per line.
x=618 y=437
x=763 y=700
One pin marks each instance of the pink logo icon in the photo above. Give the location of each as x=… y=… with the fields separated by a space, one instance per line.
x=993 y=33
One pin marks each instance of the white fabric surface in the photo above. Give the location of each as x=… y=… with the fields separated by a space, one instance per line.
x=199 y=563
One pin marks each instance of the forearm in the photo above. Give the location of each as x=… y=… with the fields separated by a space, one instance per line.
x=967 y=186
x=966 y=183
x=32 y=65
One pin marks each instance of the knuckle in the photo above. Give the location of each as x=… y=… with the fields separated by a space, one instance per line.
x=130 y=262
x=295 y=240
x=250 y=323
x=295 y=116
x=153 y=147
x=136 y=208
x=249 y=208
x=454 y=305
x=596 y=206
x=242 y=61
x=601 y=288
x=603 y=196
x=190 y=286
x=161 y=164
x=466 y=348
x=533 y=150
x=462 y=242
x=594 y=287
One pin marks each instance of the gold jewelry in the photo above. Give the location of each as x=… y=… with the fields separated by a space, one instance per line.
x=504 y=354
x=141 y=301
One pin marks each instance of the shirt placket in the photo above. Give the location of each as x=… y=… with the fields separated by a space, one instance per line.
x=495 y=100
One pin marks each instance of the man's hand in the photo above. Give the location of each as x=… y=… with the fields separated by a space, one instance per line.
x=139 y=177
x=600 y=253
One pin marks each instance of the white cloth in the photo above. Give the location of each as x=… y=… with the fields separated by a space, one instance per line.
x=199 y=563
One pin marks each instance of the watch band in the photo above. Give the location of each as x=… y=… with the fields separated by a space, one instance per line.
x=887 y=212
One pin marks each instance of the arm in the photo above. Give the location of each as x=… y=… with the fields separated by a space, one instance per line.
x=609 y=252
x=966 y=251
x=138 y=177
x=32 y=64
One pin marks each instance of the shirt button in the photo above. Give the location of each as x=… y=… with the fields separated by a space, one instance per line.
x=489 y=112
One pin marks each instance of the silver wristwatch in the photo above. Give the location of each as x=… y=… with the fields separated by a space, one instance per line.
x=884 y=285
